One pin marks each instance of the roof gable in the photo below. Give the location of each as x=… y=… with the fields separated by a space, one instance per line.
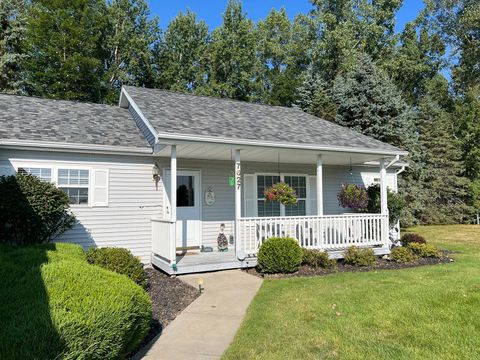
x=185 y=114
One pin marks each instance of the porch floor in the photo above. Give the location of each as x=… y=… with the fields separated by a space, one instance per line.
x=203 y=262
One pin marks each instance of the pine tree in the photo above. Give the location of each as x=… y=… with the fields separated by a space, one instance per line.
x=445 y=188
x=181 y=54
x=233 y=65
x=314 y=98
x=13 y=21
x=130 y=37
x=66 y=49
x=369 y=102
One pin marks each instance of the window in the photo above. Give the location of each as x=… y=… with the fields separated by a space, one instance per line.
x=273 y=208
x=75 y=183
x=266 y=208
x=299 y=184
x=185 y=191
x=44 y=174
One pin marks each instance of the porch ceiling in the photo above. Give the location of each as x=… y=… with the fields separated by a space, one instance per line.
x=268 y=154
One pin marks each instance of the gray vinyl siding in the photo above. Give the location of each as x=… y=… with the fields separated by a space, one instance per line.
x=142 y=126
x=133 y=200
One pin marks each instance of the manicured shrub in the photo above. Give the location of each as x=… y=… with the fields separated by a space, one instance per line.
x=402 y=255
x=32 y=211
x=424 y=250
x=395 y=201
x=121 y=261
x=412 y=238
x=279 y=255
x=317 y=258
x=359 y=257
x=57 y=306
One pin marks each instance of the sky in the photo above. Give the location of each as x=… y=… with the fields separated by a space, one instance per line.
x=211 y=10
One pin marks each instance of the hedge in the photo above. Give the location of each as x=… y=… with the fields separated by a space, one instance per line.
x=279 y=255
x=55 y=305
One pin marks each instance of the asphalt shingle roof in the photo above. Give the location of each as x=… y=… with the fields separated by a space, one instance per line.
x=185 y=114
x=35 y=119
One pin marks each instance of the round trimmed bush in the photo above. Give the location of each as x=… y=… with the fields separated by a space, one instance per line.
x=425 y=250
x=317 y=258
x=402 y=255
x=359 y=257
x=279 y=255
x=57 y=306
x=409 y=238
x=121 y=261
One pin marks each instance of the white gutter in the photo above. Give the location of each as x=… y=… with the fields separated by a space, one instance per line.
x=173 y=139
x=73 y=147
x=397 y=158
x=401 y=170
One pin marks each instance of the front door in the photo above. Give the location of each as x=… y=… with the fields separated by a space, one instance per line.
x=188 y=207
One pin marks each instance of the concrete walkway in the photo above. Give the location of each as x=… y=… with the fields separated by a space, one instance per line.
x=205 y=329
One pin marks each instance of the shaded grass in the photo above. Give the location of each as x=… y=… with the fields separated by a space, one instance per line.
x=429 y=312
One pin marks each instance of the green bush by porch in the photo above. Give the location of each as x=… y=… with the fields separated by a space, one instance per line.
x=428 y=312
x=279 y=255
x=55 y=305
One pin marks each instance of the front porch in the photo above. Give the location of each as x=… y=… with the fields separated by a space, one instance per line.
x=247 y=228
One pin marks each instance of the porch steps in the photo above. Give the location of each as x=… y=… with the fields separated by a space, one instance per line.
x=203 y=262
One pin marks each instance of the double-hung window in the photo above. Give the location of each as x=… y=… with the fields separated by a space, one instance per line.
x=274 y=208
x=299 y=184
x=266 y=208
x=44 y=174
x=75 y=183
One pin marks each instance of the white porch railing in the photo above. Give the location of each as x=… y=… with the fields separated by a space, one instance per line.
x=329 y=232
x=163 y=239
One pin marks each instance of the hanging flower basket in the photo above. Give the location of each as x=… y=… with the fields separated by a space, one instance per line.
x=353 y=197
x=282 y=193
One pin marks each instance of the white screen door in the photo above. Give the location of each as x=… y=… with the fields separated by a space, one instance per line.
x=188 y=207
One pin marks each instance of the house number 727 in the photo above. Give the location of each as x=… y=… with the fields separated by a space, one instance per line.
x=238 y=175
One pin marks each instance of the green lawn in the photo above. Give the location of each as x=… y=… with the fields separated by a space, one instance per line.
x=430 y=312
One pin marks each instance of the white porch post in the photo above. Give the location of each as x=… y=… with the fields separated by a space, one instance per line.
x=319 y=185
x=383 y=188
x=384 y=204
x=173 y=202
x=238 y=197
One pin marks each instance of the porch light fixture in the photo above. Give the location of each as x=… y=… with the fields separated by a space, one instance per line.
x=200 y=285
x=156 y=173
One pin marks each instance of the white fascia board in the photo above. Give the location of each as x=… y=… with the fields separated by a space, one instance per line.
x=172 y=139
x=72 y=147
x=124 y=95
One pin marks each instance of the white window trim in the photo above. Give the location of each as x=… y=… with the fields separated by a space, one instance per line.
x=282 y=179
x=54 y=169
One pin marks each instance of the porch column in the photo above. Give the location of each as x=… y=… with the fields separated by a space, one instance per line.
x=383 y=188
x=173 y=206
x=319 y=185
x=173 y=183
x=238 y=196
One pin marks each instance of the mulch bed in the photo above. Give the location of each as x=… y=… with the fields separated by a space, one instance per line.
x=382 y=264
x=170 y=296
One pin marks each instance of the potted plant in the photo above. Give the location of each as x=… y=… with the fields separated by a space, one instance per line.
x=282 y=193
x=354 y=197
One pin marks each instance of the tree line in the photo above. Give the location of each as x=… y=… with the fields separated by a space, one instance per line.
x=343 y=61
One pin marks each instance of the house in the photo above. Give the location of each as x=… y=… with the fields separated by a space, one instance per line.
x=163 y=174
